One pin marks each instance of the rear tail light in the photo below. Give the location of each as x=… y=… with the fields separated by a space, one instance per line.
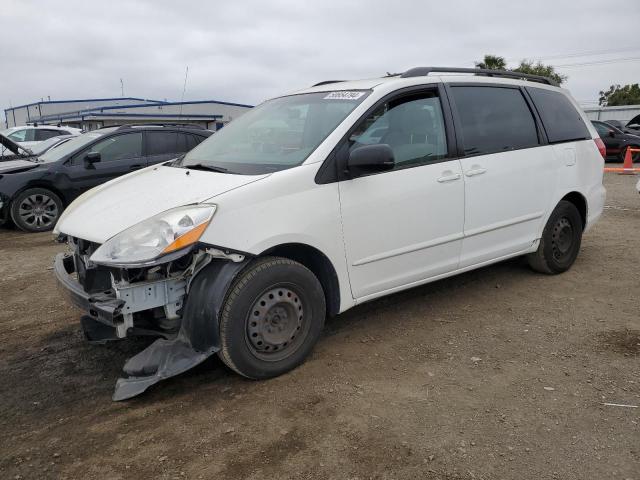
x=601 y=148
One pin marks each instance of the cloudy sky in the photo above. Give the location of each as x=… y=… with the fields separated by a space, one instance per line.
x=246 y=51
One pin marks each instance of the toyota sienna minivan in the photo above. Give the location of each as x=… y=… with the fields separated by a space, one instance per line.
x=317 y=201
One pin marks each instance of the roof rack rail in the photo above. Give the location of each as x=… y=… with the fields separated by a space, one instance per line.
x=424 y=71
x=185 y=125
x=327 y=82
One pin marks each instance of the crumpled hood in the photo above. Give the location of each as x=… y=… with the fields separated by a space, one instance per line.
x=108 y=209
x=16 y=166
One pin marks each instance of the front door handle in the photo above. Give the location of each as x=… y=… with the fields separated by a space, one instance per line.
x=475 y=170
x=449 y=177
x=135 y=167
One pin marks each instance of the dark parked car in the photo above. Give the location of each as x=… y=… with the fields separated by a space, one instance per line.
x=35 y=190
x=634 y=124
x=616 y=141
x=620 y=125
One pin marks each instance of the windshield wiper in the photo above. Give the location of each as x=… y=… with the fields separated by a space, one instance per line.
x=204 y=166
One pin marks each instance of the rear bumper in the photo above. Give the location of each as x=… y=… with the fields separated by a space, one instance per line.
x=595 y=205
x=102 y=308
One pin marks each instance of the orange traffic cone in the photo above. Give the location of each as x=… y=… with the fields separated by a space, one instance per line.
x=627 y=166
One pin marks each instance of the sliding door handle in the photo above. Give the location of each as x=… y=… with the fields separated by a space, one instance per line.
x=476 y=170
x=449 y=178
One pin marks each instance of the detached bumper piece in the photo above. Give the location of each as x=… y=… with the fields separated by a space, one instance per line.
x=197 y=338
x=95 y=332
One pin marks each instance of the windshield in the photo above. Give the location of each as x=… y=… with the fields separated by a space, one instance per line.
x=72 y=145
x=276 y=135
x=45 y=145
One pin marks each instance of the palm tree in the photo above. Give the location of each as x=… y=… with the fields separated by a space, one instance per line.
x=492 y=62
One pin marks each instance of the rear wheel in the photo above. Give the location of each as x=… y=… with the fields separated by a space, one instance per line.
x=36 y=210
x=560 y=242
x=271 y=319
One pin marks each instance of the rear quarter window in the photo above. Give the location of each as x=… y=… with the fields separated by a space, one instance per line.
x=561 y=120
x=493 y=119
x=187 y=141
x=162 y=142
x=42 y=134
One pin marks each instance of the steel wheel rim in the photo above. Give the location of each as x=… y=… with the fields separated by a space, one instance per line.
x=562 y=238
x=38 y=210
x=277 y=323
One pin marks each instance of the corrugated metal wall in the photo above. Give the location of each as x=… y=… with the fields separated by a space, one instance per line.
x=24 y=114
x=74 y=112
x=624 y=114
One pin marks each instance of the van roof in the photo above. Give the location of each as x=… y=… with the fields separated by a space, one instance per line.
x=426 y=75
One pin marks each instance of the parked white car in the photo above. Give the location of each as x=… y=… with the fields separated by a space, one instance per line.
x=29 y=136
x=317 y=201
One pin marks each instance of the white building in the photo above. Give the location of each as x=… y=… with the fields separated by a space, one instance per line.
x=623 y=113
x=100 y=112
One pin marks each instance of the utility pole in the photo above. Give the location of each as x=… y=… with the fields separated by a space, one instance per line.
x=121 y=88
x=184 y=88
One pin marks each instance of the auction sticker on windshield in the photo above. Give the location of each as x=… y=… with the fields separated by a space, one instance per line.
x=343 y=95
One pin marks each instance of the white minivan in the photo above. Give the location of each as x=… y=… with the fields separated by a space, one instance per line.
x=317 y=201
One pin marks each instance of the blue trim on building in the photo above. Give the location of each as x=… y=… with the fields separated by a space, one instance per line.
x=163 y=115
x=99 y=110
x=153 y=103
x=210 y=101
x=87 y=100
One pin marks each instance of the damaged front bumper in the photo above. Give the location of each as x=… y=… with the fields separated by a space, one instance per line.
x=116 y=307
x=189 y=302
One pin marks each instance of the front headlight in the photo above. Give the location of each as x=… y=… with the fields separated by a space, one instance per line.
x=162 y=234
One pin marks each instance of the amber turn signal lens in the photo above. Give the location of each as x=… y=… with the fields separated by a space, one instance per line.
x=187 y=239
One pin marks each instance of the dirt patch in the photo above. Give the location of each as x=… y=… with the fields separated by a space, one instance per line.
x=499 y=373
x=625 y=341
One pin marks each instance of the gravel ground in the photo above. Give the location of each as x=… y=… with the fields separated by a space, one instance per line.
x=499 y=373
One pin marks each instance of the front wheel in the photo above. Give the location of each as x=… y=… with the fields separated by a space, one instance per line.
x=36 y=210
x=560 y=242
x=271 y=319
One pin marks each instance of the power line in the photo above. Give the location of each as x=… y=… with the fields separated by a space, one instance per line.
x=579 y=54
x=587 y=53
x=598 y=62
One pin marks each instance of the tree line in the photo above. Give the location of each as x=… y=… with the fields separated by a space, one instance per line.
x=615 y=95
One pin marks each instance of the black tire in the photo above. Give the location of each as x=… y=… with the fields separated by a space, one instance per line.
x=560 y=242
x=271 y=318
x=36 y=210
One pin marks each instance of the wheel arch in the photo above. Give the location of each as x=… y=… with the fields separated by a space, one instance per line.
x=44 y=186
x=320 y=266
x=580 y=203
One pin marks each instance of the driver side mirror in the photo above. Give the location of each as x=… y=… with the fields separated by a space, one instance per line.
x=91 y=158
x=370 y=159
